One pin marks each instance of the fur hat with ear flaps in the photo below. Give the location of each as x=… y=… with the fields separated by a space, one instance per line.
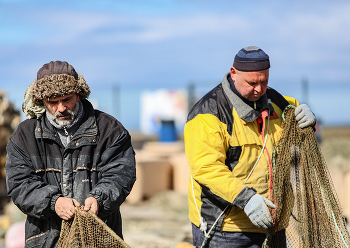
x=53 y=79
x=56 y=79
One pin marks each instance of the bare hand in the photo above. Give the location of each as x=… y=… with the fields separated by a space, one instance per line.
x=64 y=207
x=91 y=204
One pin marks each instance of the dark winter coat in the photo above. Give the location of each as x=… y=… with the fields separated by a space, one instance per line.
x=99 y=161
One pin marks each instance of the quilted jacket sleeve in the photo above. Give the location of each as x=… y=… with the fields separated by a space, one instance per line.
x=117 y=174
x=206 y=145
x=28 y=190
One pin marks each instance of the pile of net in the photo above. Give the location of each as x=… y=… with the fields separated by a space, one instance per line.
x=303 y=192
x=87 y=230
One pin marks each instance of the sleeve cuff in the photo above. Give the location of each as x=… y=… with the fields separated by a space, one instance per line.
x=243 y=197
x=53 y=201
x=97 y=194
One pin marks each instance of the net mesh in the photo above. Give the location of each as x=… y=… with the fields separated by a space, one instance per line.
x=307 y=205
x=87 y=230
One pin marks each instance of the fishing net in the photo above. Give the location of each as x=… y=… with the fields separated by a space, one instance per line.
x=87 y=230
x=303 y=192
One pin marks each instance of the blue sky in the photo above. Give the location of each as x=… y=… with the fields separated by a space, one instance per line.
x=168 y=44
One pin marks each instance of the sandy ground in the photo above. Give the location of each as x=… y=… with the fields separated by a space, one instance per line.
x=159 y=222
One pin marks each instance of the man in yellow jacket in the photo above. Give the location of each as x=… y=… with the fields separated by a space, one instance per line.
x=230 y=136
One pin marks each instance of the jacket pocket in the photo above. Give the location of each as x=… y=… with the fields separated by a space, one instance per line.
x=37 y=240
x=42 y=233
x=232 y=156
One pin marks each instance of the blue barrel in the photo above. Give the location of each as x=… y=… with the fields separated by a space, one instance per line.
x=168 y=131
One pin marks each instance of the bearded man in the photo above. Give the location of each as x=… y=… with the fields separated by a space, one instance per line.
x=67 y=154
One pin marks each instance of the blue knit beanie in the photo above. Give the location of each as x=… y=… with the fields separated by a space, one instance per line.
x=251 y=58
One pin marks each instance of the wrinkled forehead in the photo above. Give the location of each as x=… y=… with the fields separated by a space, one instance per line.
x=62 y=98
x=260 y=74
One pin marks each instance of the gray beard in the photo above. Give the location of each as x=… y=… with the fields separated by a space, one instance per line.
x=66 y=124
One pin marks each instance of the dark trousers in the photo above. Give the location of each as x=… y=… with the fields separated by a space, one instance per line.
x=233 y=239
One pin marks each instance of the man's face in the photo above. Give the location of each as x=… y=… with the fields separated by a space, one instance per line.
x=63 y=109
x=250 y=84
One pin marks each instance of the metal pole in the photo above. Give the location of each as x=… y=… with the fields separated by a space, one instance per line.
x=191 y=95
x=305 y=90
x=116 y=101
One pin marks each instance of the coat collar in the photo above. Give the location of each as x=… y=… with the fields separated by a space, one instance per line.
x=88 y=127
x=244 y=111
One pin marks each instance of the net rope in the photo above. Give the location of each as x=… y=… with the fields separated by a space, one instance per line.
x=87 y=230
x=307 y=205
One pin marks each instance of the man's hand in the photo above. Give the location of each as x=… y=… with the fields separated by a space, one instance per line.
x=257 y=209
x=91 y=204
x=64 y=207
x=304 y=116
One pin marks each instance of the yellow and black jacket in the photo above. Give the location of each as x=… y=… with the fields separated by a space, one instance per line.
x=223 y=141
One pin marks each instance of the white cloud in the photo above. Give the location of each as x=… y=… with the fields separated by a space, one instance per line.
x=159 y=29
x=297 y=27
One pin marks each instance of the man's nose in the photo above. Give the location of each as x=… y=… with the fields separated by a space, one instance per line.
x=257 y=88
x=61 y=107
